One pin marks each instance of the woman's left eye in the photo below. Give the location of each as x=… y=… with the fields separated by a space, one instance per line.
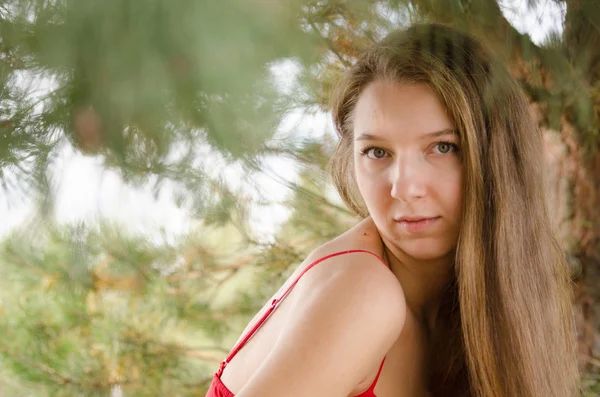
x=446 y=147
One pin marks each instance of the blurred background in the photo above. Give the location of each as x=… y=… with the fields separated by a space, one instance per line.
x=162 y=170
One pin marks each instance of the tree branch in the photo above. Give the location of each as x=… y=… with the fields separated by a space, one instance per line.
x=329 y=43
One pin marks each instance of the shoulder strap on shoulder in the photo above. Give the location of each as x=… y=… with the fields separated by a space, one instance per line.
x=377 y=377
x=319 y=261
x=275 y=302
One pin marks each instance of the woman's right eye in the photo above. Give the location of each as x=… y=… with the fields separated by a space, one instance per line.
x=374 y=153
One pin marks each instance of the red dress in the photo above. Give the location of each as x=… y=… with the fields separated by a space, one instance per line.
x=218 y=389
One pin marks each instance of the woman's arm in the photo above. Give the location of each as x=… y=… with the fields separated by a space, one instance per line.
x=344 y=318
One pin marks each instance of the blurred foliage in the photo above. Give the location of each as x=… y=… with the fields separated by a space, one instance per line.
x=174 y=92
x=85 y=310
x=141 y=84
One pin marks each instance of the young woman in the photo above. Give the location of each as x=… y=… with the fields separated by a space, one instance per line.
x=453 y=284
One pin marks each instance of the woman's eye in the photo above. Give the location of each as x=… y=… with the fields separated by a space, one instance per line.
x=375 y=153
x=446 y=147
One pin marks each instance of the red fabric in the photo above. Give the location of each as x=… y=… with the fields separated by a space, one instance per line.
x=218 y=389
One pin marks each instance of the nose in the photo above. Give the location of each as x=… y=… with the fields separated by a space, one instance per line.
x=409 y=178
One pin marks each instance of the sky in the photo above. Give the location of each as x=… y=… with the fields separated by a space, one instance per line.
x=88 y=192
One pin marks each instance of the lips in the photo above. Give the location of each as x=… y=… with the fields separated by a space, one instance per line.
x=414 y=218
x=415 y=224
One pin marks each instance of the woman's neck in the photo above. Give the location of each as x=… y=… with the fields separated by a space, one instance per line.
x=423 y=281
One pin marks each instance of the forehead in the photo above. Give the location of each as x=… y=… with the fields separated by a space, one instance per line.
x=386 y=107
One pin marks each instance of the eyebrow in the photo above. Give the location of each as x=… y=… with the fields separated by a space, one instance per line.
x=435 y=134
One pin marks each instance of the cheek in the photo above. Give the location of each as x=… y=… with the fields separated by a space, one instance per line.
x=371 y=180
x=451 y=191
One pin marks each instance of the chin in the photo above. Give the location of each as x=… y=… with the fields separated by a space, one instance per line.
x=425 y=249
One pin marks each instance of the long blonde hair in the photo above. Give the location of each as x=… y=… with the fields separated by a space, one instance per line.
x=508 y=312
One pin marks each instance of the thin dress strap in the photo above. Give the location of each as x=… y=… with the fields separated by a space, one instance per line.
x=372 y=387
x=275 y=302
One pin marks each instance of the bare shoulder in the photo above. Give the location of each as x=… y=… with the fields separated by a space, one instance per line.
x=358 y=270
x=345 y=315
x=354 y=275
x=359 y=288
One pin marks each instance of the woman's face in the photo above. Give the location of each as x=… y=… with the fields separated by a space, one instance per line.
x=408 y=167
